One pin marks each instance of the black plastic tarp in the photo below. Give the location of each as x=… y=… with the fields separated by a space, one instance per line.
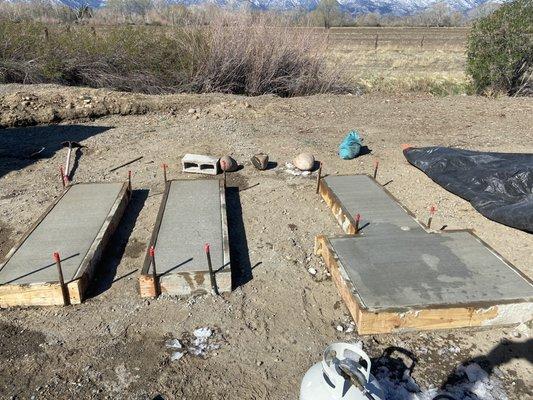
x=498 y=185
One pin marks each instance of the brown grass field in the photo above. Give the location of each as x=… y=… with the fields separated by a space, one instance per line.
x=405 y=59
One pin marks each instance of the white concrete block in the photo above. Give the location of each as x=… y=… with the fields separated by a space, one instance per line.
x=200 y=164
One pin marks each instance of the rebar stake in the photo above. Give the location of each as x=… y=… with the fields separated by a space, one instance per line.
x=223 y=167
x=318 y=178
x=165 y=172
x=64 y=290
x=432 y=211
x=129 y=180
x=376 y=165
x=62 y=175
x=154 y=272
x=210 y=265
x=357 y=220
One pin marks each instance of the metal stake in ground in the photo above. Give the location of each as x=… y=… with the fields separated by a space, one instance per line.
x=165 y=172
x=376 y=165
x=319 y=177
x=154 y=272
x=210 y=265
x=64 y=289
x=223 y=166
x=62 y=174
x=129 y=180
x=432 y=211
x=357 y=220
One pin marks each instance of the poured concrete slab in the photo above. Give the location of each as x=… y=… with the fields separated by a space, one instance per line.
x=192 y=213
x=77 y=226
x=417 y=280
x=349 y=195
x=416 y=269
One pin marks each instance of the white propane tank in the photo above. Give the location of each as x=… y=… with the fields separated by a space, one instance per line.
x=341 y=376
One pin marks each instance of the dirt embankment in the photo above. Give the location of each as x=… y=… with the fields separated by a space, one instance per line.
x=47 y=104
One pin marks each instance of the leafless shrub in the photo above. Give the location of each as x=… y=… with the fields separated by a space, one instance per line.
x=234 y=54
x=258 y=55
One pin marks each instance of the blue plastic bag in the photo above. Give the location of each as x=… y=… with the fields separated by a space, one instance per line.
x=350 y=146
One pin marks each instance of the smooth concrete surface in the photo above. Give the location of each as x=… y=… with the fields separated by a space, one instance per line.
x=70 y=228
x=359 y=194
x=192 y=218
x=416 y=268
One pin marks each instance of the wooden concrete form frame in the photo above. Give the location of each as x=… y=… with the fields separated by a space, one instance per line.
x=435 y=317
x=50 y=293
x=421 y=318
x=187 y=283
x=343 y=217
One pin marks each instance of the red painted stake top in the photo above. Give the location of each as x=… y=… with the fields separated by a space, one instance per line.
x=129 y=174
x=432 y=210
x=57 y=258
x=358 y=217
x=152 y=251
x=206 y=247
x=376 y=162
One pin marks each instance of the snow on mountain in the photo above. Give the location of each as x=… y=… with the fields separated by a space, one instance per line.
x=396 y=7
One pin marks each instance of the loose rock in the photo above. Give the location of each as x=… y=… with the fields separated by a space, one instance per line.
x=228 y=164
x=304 y=162
x=260 y=161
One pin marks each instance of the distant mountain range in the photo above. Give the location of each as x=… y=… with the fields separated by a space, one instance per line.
x=393 y=7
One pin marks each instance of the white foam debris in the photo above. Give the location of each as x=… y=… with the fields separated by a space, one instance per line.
x=478 y=385
x=173 y=344
x=202 y=333
x=176 y=356
x=198 y=344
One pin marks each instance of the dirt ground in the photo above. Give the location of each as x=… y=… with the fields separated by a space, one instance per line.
x=279 y=319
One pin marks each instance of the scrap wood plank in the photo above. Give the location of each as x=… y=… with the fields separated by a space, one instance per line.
x=425 y=281
x=78 y=225
x=192 y=213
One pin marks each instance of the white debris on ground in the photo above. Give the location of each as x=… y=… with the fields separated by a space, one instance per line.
x=199 y=344
x=478 y=385
x=291 y=169
x=473 y=383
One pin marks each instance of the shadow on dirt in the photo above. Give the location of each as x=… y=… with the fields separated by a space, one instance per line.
x=241 y=269
x=106 y=272
x=21 y=147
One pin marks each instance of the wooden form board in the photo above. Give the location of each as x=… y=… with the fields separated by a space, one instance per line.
x=434 y=315
x=192 y=213
x=32 y=289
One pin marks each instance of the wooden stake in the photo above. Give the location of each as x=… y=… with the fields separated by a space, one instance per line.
x=376 y=165
x=64 y=289
x=211 y=273
x=318 y=178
